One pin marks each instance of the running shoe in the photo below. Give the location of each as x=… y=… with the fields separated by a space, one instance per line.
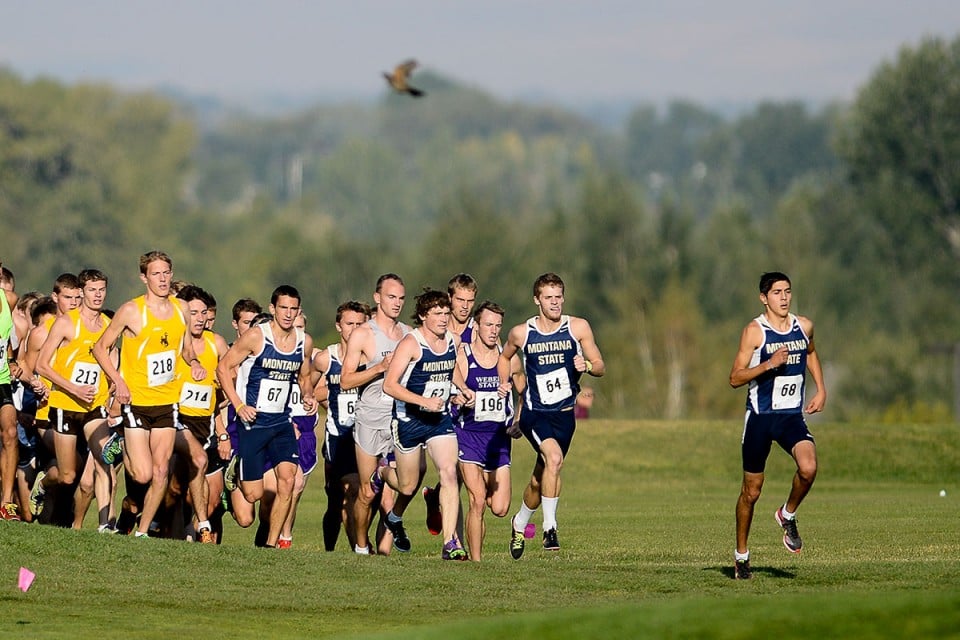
x=230 y=474
x=284 y=543
x=400 y=539
x=453 y=550
x=206 y=537
x=516 y=542
x=37 y=494
x=128 y=519
x=434 y=518
x=112 y=449
x=107 y=528
x=550 y=542
x=791 y=538
x=741 y=570
x=9 y=511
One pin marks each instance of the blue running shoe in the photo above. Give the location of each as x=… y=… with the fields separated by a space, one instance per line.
x=112 y=449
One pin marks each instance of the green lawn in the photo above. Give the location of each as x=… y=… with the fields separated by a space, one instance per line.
x=646 y=525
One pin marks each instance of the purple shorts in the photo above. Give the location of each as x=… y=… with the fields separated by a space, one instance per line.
x=488 y=449
x=306 y=425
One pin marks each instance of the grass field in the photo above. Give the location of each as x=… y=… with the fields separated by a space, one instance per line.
x=646 y=525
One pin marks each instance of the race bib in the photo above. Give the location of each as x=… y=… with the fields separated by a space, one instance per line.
x=160 y=369
x=272 y=397
x=787 y=392
x=196 y=396
x=554 y=386
x=347 y=409
x=85 y=373
x=490 y=407
x=296 y=401
x=434 y=389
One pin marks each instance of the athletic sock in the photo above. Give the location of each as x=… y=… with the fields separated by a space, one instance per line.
x=786 y=514
x=363 y=551
x=523 y=517
x=739 y=557
x=203 y=524
x=394 y=518
x=550 y=513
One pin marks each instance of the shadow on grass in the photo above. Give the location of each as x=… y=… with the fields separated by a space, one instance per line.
x=773 y=572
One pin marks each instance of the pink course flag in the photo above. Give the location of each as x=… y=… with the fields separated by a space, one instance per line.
x=26 y=579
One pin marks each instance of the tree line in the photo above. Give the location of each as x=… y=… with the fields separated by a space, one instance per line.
x=660 y=228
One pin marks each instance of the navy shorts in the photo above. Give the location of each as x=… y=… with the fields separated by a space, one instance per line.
x=538 y=426
x=30 y=402
x=761 y=430
x=488 y=449
x=26 y=446
x=262 y=445
x=413 y=433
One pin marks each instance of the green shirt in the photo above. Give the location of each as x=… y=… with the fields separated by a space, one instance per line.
x=6 y=327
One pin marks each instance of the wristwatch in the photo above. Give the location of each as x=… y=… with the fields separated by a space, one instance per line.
x=223 y=437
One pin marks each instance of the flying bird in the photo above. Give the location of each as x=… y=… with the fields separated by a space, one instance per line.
x=398 y=79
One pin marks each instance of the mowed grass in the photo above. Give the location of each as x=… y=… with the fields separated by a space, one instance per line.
x=646 y=526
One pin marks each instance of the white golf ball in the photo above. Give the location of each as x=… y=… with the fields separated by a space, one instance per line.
x=943 y=493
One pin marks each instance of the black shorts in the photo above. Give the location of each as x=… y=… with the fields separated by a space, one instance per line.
x=46 y=457
x=6 y=394
x=160 y=417
x=200 y=426
x=340 y=454
x=538 y=426
x=761 y=430
x=215 y=464
x=71 y=423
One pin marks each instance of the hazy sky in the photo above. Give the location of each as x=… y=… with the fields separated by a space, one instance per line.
x=732 y=51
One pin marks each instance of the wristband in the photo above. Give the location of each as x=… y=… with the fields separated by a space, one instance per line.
x=242 y=405
x=589 y=366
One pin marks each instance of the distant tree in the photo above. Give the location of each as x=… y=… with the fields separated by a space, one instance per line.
x=777 y=143
x=85 y=171
x=904 y=127
x=668 y=146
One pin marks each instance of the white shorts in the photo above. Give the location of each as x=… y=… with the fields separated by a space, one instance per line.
x=374 y=442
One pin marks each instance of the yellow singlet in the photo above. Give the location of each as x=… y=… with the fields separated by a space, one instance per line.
x=75 y=362
x=199 y=398
x=43 y=406
x=148 y=360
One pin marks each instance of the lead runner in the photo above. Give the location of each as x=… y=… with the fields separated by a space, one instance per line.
x=556 y=350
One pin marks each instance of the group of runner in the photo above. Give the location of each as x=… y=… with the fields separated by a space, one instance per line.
x=201 y=428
